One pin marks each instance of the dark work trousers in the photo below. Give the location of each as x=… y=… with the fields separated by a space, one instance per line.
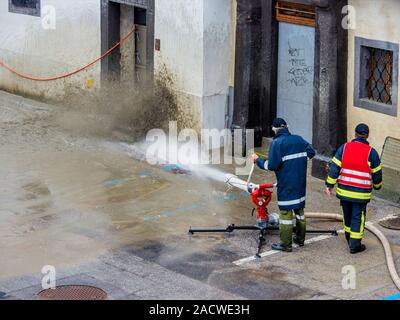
x=286 y=227
x=354 y=222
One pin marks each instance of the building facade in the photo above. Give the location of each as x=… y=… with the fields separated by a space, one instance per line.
x=376 y=31
x=291 y=61
x=185 y=44
x=34 y=48
x=324 y=65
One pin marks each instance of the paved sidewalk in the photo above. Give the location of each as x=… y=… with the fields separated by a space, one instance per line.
x=81 y=202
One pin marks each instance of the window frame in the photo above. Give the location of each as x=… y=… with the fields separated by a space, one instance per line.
x=303 y=14
x=360 y=77
x=23 y=10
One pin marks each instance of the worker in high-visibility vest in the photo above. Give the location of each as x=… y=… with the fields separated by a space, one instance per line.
x=357 y=170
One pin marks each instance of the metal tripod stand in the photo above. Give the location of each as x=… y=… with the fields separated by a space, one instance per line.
x=261 y=238
x=261 y=196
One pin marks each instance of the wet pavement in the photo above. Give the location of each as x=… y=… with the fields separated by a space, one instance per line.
x=86 y=205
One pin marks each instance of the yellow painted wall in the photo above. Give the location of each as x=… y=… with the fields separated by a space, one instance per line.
x=375 y=20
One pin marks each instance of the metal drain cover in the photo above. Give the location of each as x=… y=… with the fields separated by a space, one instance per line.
x=393 y=223
x=74 y=292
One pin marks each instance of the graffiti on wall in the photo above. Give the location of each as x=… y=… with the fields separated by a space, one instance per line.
x=300 y=74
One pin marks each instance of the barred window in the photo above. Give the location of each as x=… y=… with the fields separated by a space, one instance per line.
x=29 y=7
x=376 y=76
x=380 y=70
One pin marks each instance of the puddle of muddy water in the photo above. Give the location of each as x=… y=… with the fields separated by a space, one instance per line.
x=67 y=199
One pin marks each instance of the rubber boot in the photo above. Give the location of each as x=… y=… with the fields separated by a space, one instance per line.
x=360 y=249
x=298 y=242
x=280 y=247
x=356 y=246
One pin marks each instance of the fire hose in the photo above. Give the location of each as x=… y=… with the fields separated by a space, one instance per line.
x=370 y=227
x=108 y=52
x=234 y=181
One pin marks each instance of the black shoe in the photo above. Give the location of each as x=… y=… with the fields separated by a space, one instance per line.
x=361 y=248
x=299 y=243
x=280 y=247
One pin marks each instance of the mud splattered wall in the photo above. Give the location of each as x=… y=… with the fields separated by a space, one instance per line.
x=179 y=63
x=128 y=49
x=34 y=50
x=375 y=20
x=195 y=56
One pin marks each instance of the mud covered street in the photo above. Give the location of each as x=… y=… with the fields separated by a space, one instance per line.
x=87 y=205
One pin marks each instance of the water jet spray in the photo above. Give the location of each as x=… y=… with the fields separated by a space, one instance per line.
x=261 y=195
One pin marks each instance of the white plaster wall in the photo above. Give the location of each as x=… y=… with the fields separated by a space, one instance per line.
x=233 y=41
x=29 y=48
x=196 y=47
x=217 y=62
x=179 y=26
x=376 y=20
x=217 y=46
x=196 y=51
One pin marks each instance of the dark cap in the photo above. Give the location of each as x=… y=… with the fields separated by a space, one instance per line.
x=279 y=123
x=362 y=129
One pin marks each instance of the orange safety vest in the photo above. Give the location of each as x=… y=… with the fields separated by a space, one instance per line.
x=356 y=171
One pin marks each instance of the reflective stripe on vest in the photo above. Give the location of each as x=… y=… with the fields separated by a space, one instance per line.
x=356 y=171
x=292 y=202
x=295 y=156
x=353 y=195
x=358 y=181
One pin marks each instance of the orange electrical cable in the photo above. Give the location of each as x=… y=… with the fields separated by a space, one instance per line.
x=3 y=64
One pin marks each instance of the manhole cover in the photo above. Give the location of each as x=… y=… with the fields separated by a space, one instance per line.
x=393 y=223
x=75 y=292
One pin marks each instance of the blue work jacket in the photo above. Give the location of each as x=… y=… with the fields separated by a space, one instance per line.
x=288 y=157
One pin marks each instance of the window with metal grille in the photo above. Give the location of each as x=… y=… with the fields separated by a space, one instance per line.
x=376 y=76
x=29 y=7
x=380 y=70
x=295 y=13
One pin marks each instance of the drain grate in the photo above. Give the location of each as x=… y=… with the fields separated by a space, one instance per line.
x=393 y=223
x=73 y=292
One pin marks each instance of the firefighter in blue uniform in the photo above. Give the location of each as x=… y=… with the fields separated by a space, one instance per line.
x=288 y=157
x=357 y=170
